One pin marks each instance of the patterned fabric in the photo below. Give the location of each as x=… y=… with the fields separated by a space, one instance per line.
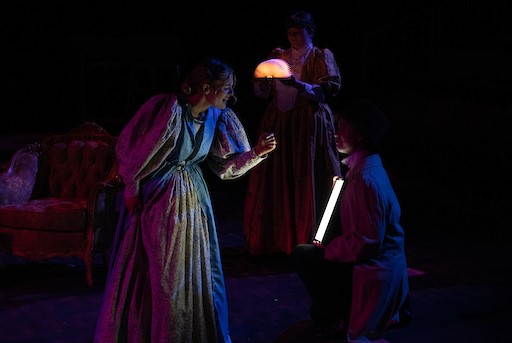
x=166 y=282
x=17 y=182
x=287 y=194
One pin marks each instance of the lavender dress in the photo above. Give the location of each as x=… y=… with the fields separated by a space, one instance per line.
x=166 y=282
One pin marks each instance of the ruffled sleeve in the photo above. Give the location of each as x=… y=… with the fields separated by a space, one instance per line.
x=147 y=140
x=231 y=155
x=331 y=81
x=323 y=72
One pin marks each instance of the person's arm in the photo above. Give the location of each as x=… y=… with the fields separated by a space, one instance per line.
x=145 y=142
x=231 y=155
x=326 y=81
x=266 y=144
x=364 y=224
x=330 y=79
x=311 y=91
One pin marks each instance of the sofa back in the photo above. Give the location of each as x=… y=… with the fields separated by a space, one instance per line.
x=73 y=163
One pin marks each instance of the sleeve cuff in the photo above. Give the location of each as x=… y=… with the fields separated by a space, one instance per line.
x=255 y=155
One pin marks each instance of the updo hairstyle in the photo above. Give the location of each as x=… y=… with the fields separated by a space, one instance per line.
x=211 y=71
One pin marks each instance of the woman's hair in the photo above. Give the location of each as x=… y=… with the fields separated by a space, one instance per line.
x=211 y=71
x=301 y=20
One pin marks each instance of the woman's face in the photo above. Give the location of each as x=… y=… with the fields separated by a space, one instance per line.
x=347 y=137
x=222 y=93
x=298 y=38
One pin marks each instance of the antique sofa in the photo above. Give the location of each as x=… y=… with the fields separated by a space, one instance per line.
x=59 y=197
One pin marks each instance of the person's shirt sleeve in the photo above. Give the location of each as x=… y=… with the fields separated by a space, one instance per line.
x=363 y=227
x=330 y=82
x=326 y=83
x=230 y=155
x=147 y=139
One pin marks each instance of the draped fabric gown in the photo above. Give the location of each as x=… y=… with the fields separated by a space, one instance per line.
x=165 y=282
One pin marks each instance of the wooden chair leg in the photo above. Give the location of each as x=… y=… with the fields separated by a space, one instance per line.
x=89 y=252
x=88 y=270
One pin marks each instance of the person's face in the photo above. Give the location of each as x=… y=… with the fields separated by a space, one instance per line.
x=298 y=38
x=222 y=93
x=347 y=137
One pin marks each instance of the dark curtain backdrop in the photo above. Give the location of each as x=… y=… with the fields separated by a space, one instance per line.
x=440 y=70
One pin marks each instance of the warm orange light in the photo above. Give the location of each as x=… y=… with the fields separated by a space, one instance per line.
x=273 y=69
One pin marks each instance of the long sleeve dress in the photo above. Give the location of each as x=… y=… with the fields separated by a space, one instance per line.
x=165 y=282
x=287 y=193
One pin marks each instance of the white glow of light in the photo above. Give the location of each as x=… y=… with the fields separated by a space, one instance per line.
x=333 y=198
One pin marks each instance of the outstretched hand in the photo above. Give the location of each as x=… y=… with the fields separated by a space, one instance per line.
x=266 y=143
x=318 y=244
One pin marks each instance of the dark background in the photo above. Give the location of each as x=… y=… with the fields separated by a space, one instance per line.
x=63 y=63
x=440 y=70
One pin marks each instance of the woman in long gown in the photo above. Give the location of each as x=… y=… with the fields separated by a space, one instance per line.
x=165 y=282
x=287 y=194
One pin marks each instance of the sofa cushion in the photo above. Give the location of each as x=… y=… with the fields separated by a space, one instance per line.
x=54 y=214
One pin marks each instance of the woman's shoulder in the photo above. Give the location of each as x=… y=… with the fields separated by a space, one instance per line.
x=160 y=101
x=228 y=118
x=226 y=114
x=216 y=115
x=163 y=98
x=322 y=51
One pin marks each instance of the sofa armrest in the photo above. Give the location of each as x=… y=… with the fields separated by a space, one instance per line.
x=18 y=181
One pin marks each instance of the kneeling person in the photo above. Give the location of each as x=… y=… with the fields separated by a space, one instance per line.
x=359 y=277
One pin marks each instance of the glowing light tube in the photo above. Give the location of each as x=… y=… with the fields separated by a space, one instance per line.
x=333 y=198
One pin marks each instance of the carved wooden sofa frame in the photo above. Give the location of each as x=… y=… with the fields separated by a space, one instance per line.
x=58 y=197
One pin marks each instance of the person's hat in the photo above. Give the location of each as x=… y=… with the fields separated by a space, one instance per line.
x=366 y=116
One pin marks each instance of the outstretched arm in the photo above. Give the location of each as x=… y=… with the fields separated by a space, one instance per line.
x=266 y=143
x=231 y=155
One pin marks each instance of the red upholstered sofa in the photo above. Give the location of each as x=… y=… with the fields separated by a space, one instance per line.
x=58 y=197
